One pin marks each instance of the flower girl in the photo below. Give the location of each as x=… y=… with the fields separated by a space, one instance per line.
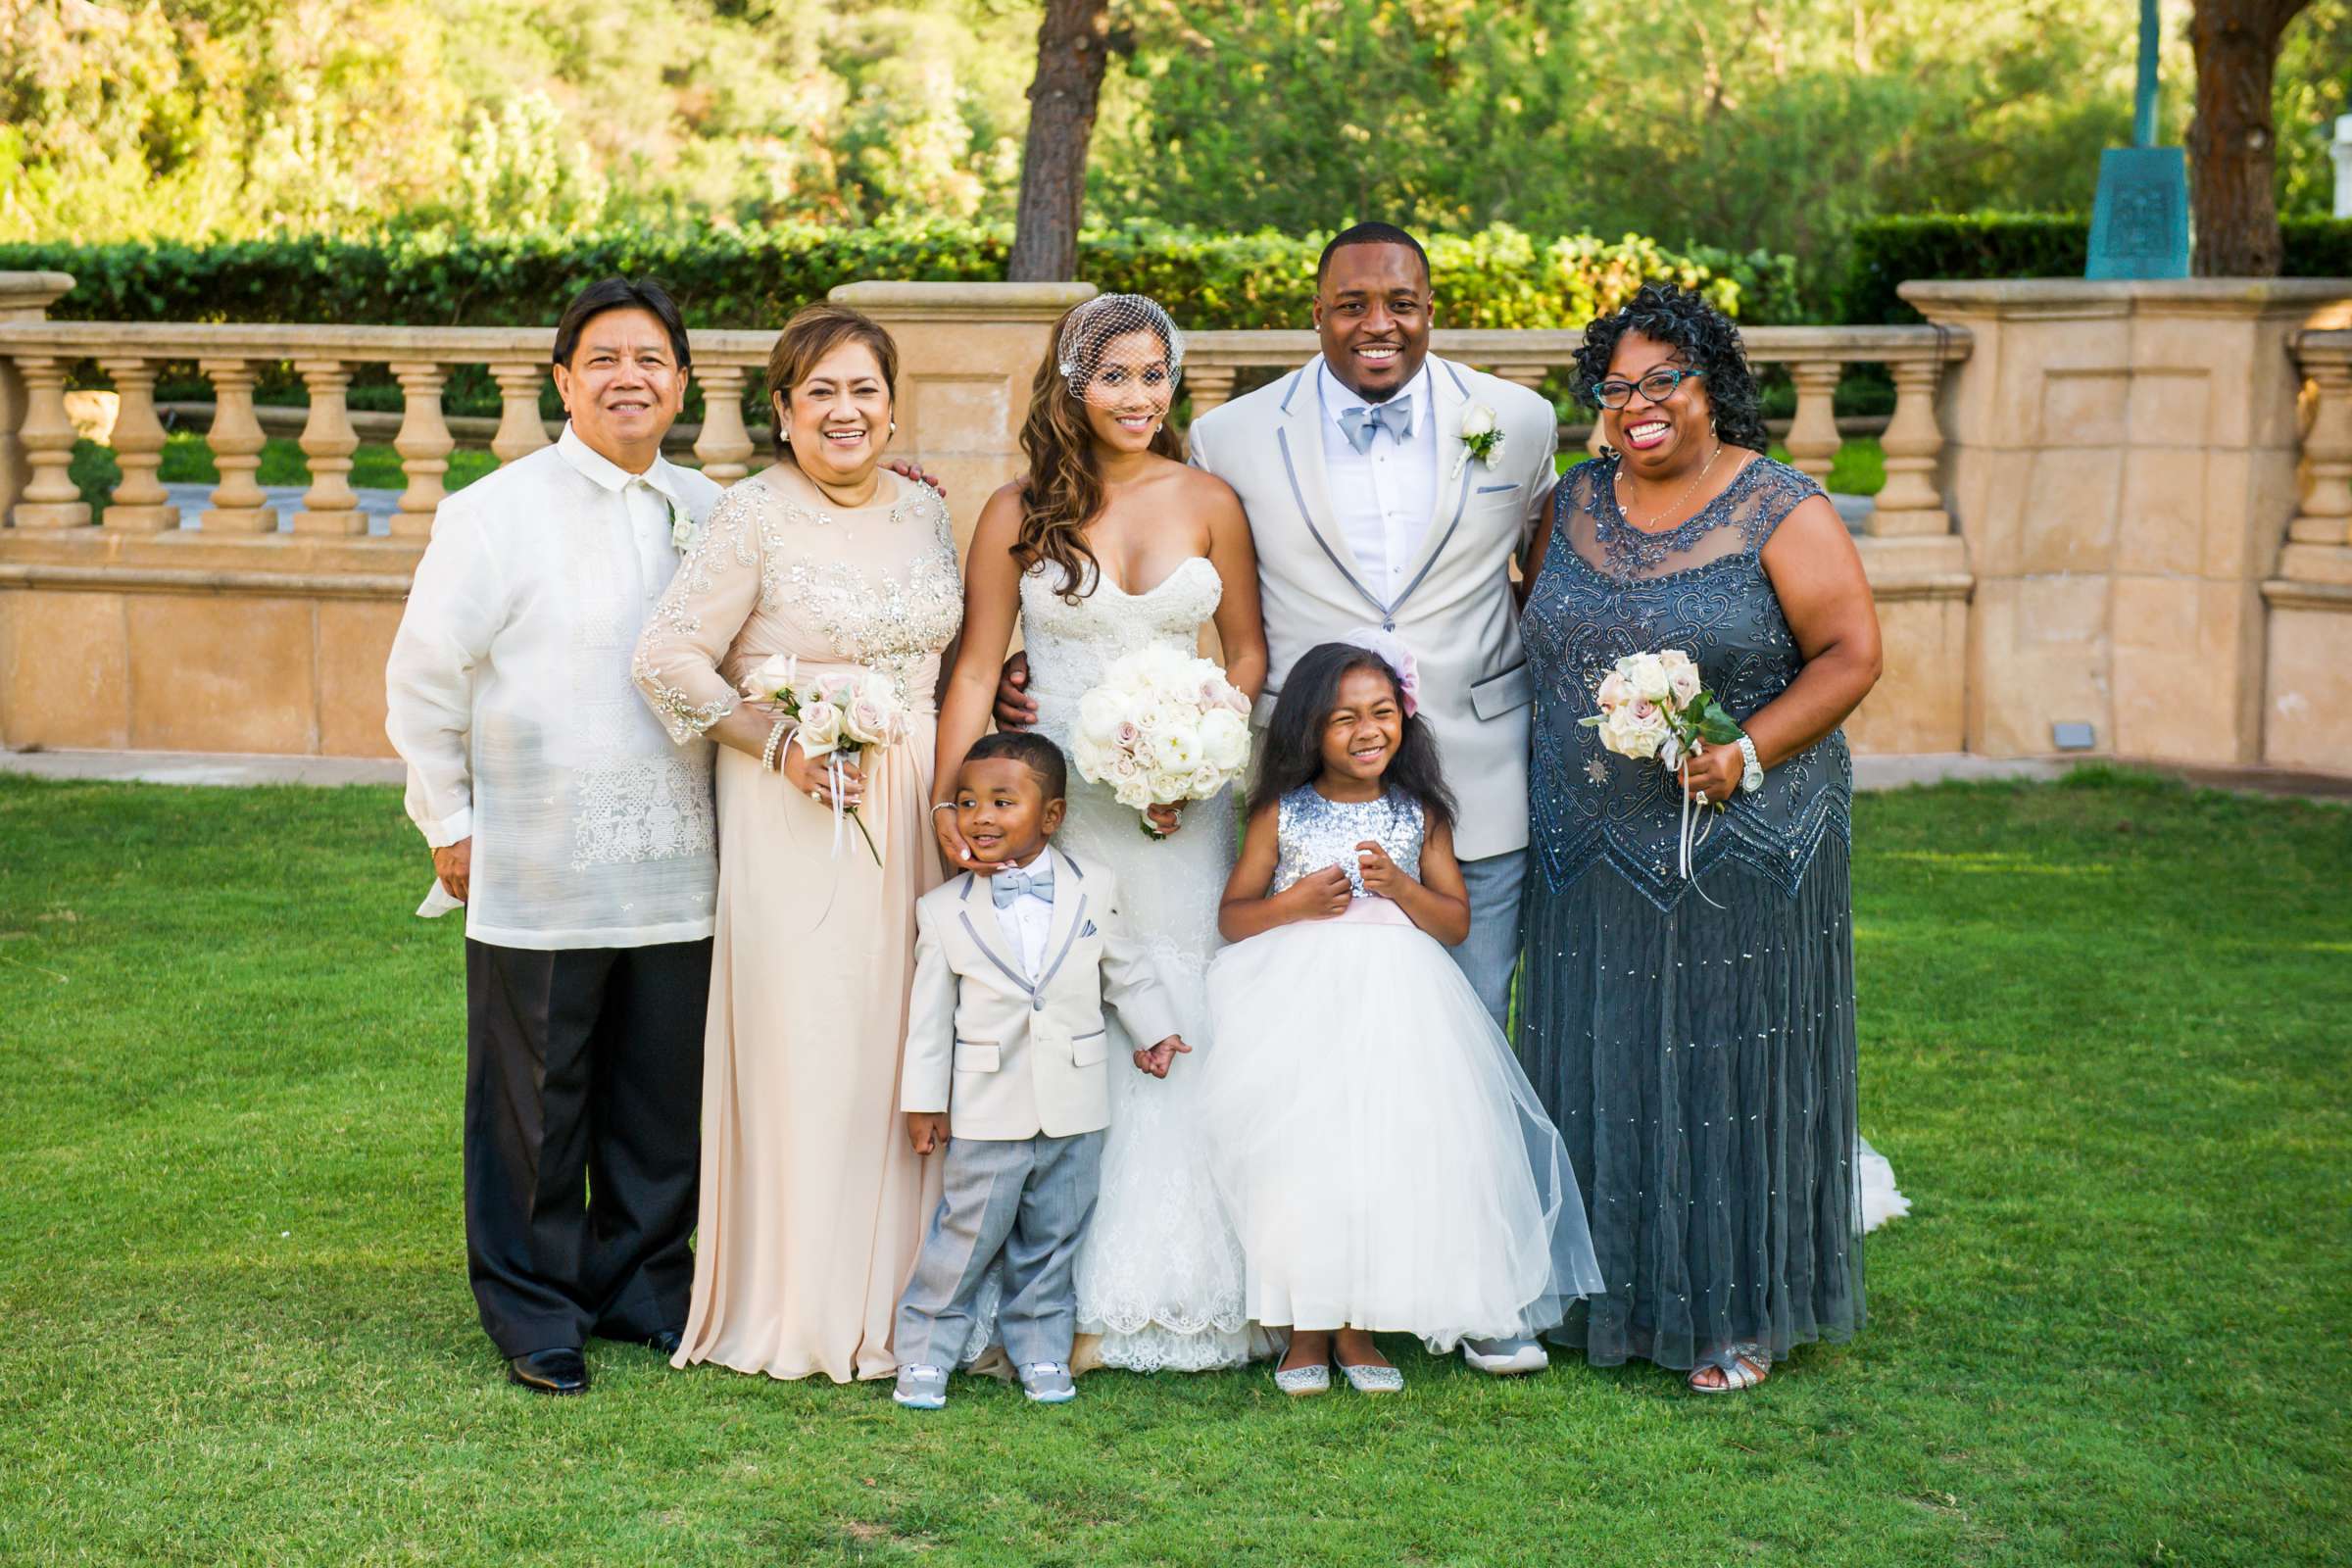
x=1386 y=1161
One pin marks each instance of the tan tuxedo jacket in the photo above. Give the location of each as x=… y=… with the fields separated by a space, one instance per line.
x=1008 y=1054
x=1455 y=611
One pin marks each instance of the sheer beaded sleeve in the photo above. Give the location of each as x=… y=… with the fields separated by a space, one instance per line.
x=715 y=591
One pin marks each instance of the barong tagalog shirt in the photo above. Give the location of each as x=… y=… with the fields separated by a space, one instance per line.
x=508 y=696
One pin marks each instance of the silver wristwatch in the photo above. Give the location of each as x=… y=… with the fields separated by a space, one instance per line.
x=1752 y=773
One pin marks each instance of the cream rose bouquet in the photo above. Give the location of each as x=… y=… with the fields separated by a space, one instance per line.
x=835 y=716
x=1654 y=706
x=1163 y=726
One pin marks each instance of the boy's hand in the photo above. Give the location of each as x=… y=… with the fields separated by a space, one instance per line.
x=927 y=1130
x=1156 y=1059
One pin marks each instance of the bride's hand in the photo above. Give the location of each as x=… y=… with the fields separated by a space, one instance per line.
x=814 y=778
x=1166 y=820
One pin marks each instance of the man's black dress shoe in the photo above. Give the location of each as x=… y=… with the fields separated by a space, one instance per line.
x=558 y=1371
x=666 y=1341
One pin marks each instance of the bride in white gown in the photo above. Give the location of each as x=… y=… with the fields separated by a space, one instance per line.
x=1107 y=544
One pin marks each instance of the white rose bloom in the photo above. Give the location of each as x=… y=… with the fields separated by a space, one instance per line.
x=1682 y=675
x=1631 y=733
x=819 y=728
x=772 y=674
x=1477 y=420
x=1647 y=674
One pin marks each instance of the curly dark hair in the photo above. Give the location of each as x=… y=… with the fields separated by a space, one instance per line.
x=1705 y=340
x=1293 y=751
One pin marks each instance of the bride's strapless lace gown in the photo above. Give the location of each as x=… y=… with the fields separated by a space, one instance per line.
x=1160 y=1278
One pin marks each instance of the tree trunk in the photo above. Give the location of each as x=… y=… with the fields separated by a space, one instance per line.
x=1072 y=47
x=2232 y=145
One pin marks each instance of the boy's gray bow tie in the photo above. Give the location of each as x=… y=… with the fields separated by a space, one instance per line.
x=1394 y=417
x=1006 y=886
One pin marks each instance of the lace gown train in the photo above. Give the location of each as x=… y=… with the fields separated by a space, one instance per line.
x=1159 y=1281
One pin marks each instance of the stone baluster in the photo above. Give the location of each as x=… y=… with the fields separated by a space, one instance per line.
x=423 y=444
x=51 y=499
x=1530 y=376
x=1212 y=385
x=2325 y=515
x=724 y=446
x=521 y=430
x=1813 y=439
x=329 y=506
x=140 y=504
x=1910 y=503
x=238 y=505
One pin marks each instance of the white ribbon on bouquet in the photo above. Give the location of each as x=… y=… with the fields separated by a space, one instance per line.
x=1697 y=820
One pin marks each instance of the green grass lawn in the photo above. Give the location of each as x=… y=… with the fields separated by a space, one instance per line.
x=2106 y=1029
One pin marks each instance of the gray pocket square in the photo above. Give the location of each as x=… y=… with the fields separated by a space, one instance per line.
x=1090 y=930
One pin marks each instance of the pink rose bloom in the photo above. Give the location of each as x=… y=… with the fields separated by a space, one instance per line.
x=1126 y=735
x=1614 y=691
x=1643 y=708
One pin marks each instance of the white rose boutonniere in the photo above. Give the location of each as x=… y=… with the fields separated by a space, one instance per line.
x=1482 y=438
x=681 y=528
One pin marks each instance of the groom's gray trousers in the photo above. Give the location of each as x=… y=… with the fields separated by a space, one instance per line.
x=1490 y=954
x=1028 y=1199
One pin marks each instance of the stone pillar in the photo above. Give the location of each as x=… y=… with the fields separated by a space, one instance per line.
x=2121 y=461
x=967 y=353
x=2341 y=151
x=50 y=499
x=24 y=297
x=521 y=430
x=724 y=446
x=423 y=444
x=329 y=506
x=1211 y=387
x=140 y=503
x=1813 y=439
x=238 y=503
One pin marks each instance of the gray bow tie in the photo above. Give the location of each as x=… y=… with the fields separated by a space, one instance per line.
x=1006 y=886
x=1394 y=417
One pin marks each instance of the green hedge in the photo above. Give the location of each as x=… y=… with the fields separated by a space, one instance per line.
x=1888 y=250
x=1497 y=279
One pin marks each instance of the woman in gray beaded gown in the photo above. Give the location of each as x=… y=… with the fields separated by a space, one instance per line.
x=1693 y=1039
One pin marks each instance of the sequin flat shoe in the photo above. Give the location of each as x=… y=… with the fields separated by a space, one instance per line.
x=1373 y=1379
x=1300 y=1381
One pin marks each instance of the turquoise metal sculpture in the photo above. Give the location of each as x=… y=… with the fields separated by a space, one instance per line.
x=2139 y=223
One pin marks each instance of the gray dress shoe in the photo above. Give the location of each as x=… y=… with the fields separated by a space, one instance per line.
x=921 y=1388
x=1048 y=1383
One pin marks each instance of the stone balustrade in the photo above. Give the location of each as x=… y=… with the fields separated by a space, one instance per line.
x=2127 y=505
x=232 y=358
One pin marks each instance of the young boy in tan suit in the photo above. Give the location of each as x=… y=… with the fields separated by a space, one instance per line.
x=1007 y=1064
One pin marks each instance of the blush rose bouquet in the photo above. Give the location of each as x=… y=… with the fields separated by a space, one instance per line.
x=1162 y=726
x=836 y=717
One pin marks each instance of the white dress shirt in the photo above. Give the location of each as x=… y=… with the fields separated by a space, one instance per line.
x=508 y=693
x=1025 y=920
x=1385 y=498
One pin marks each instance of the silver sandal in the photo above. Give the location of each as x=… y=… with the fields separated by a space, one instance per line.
x=1373 y=1379
x=1742 y=1365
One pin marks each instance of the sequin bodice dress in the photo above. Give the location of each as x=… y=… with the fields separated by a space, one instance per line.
x=1696 y=1052
x=1316 y=832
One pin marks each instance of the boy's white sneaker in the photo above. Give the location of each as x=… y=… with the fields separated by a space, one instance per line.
x=921 y=1388
x=1048 y=1383
x=1505 y=1358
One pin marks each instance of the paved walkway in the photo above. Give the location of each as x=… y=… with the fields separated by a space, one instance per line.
x=1870 y=773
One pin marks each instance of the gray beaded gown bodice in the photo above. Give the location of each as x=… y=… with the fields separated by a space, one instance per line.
x=1313 y=833
x=1608 y=589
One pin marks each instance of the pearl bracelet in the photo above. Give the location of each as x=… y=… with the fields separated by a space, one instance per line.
x=768 y=759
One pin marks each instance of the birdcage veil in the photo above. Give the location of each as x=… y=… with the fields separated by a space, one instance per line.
x=1098 y=368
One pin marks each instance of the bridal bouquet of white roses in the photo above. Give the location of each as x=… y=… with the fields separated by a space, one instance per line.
x=1163 y=726
x=1657 y=705
x=835 y=716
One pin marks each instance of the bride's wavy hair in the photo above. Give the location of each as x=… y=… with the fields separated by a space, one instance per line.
x=1292 y=754
x=1062 y=487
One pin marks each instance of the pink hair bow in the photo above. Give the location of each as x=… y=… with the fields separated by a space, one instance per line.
x=1398 y=658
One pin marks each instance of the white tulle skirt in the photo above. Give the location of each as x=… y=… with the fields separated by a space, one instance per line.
x=1383 y=1156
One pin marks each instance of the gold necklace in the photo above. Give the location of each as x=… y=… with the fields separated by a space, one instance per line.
x=1668 y=512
